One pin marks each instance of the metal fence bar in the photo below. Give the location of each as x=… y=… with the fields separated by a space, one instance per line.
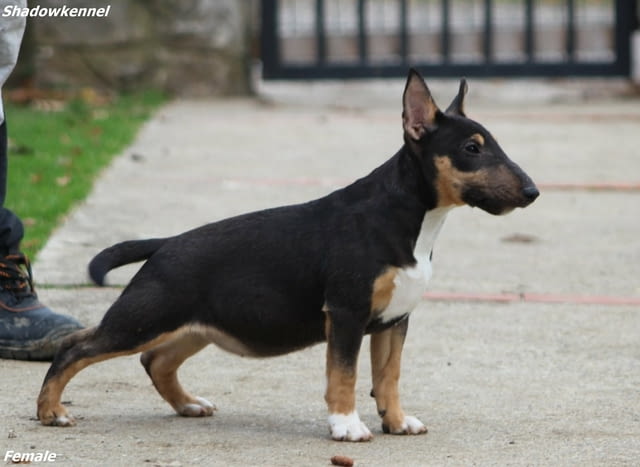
x=355 y=71
x=404 y=32
x=626 y=22
x=269 y=40
x=488 y=31
x=321 y=36
x=571 y=31
x=446 y=31
x=363 y=51
x=529 y=38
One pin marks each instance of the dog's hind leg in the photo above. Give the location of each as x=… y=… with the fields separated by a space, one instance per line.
x=386 y=350
x=162 y=363
x=65 y=365
x=77 y=352
x=123 y=331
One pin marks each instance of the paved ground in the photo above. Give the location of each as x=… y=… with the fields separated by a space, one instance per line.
x=530 y=355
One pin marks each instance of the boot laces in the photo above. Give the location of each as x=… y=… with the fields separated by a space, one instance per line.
x=16 y=276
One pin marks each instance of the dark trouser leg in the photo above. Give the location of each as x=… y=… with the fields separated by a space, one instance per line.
x=11 y=232
x=4 y=164
x=28 y=329
x=11 y=229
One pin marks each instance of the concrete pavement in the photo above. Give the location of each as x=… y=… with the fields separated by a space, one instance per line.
x=499 y=376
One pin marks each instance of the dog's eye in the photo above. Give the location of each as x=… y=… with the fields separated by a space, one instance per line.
x=472 y=148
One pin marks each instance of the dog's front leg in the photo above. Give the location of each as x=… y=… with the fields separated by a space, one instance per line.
x=344 y=335
x=386 y=350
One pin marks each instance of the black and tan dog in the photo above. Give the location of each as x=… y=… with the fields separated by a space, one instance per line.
x=352 y=263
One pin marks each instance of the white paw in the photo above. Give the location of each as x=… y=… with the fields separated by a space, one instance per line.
x=64 y=420
x=413 y=426
x=53 y=419
x=348 y=427
x=410 y=426
x=201 y=408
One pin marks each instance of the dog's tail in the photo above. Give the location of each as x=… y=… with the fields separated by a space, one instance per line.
x=120 y=254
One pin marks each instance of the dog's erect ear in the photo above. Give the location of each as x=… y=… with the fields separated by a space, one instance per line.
x=419 y=110
x=457 y=105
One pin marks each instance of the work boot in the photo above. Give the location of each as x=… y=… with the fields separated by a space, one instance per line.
x=28 y=329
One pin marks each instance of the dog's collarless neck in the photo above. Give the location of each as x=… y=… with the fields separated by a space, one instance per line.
x=423 y=185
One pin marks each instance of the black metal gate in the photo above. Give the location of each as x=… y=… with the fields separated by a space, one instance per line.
x=316 y=39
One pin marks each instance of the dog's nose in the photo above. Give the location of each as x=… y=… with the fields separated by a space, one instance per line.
x=530 y=192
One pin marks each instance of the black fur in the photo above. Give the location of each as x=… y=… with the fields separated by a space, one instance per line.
x=123 y=253
x=274 y=281
x=238 y=275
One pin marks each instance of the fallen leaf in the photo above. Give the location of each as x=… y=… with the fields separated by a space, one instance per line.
x=520 y=238
x=342 y=460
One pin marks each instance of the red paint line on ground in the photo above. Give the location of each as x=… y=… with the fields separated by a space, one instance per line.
x=532 y=298
x=581 y=299
x=599 y=186
x=331 y=181
x=296 y=181
x=471 y=297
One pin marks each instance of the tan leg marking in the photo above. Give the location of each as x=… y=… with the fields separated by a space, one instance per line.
x=341 y=381
x=344 y=422
x=50 y=409
x=386 y=351
x=385 y=368
x=162 y=363
x=340 y=394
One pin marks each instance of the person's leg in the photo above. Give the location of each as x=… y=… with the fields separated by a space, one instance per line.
x=28 y=329
x=11 y=229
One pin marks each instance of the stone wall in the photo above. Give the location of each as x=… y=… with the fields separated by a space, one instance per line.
x=186 y=47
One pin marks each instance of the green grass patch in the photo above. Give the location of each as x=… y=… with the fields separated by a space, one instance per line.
x=55 y=156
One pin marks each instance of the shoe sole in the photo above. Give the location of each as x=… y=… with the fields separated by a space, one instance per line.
x=43 y=349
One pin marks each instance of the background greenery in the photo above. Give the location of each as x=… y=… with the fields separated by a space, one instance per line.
x=57 y=149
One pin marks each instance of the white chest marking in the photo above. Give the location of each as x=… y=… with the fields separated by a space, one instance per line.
x=410 y=283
